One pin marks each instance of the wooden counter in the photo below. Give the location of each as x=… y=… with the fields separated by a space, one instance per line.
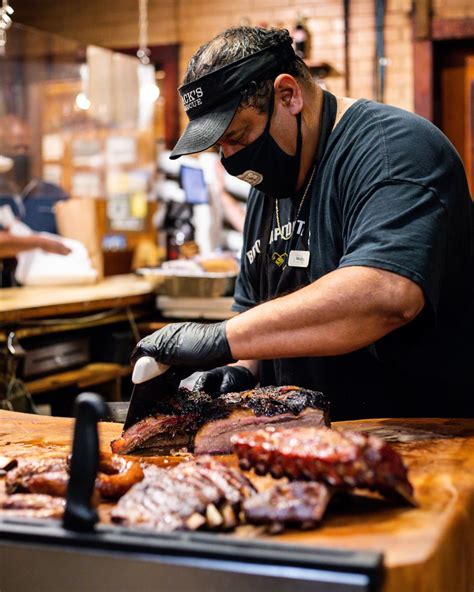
x=17 y=304
x=426 y=549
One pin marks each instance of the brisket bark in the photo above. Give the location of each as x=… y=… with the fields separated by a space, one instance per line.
x=197 y=494
x=205 y=425
x=343 y=459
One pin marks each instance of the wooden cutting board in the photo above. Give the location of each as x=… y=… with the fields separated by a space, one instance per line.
x=426 y=549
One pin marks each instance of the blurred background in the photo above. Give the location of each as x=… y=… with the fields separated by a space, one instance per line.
x=89 y=110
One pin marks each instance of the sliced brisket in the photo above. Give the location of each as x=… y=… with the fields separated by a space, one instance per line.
x=191 y=495
x=198 y=422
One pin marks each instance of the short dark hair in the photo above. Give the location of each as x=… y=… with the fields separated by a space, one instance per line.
x=239 y=42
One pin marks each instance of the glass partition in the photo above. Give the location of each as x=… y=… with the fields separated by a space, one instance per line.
x=78 y=121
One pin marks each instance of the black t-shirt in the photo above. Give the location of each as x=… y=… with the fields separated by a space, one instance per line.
x=391 y=193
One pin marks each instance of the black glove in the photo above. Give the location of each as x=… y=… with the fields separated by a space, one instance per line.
x=226 y=379
x=198 y=345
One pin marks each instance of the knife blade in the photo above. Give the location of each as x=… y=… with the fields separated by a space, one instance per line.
x=151 y=382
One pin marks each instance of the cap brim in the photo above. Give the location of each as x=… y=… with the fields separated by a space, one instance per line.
x=203 y=132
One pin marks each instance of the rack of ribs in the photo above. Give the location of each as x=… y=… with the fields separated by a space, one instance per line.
x=204 y=425
x=203 y=493
x=339 y=458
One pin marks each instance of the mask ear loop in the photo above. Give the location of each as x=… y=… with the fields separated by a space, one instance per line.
x=299 y=138
x=271 y=108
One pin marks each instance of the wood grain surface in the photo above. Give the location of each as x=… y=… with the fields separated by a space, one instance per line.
x=33 y=302
x=426 y=549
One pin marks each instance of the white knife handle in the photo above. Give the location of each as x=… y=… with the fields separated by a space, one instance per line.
x=147 y=368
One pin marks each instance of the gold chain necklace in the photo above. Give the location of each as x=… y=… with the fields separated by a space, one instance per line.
x=277 y=208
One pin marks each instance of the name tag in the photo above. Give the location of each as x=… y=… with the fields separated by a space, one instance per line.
x=298 y=259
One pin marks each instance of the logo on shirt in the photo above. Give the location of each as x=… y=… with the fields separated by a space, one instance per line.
x=280 y=259
x=297 y=227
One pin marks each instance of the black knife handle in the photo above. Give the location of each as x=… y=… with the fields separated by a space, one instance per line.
x=79 y=514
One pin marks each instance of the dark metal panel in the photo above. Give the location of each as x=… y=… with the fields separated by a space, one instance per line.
x=56 y=569
x=52 y=553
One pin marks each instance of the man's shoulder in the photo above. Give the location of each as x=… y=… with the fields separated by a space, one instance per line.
x=389 y=143
x=381 y=122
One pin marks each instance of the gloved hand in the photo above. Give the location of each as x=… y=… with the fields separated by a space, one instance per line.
x=226 y=379
x=198 y=345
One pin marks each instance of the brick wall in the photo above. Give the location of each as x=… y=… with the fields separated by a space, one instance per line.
x=200 y=20
x=399 y=51
x=110 y=23
x=113 y=23
x=453 y=8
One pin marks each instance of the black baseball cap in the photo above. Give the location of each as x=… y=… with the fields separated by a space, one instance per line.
x=211 y=101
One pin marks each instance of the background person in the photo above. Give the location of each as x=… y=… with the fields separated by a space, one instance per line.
x=30 y=199
x=19 y=186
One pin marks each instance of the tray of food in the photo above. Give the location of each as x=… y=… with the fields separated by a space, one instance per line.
x=200 y=278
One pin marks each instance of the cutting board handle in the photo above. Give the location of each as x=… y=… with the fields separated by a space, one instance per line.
x=79 y=514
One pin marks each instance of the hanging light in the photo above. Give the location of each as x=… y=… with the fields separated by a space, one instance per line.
x=82 y=101
x=82 y=98
x=149 y=90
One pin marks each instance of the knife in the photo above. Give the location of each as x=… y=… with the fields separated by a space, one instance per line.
x=151 y=382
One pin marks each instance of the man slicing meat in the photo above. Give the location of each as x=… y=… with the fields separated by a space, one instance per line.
x=357 y=273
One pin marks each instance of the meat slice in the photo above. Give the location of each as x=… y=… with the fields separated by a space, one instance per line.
x=47 y=476
x=340 y=458
x=50 y=476
x=214 y=436
x=158 y=432
x=116 y=475
x=254 y=409
x=30 y=505
x=206 y=425
x=191 y=495
x=298 y=503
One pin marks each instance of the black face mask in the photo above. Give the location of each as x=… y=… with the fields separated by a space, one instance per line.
x=21 y=169
x=265 y=165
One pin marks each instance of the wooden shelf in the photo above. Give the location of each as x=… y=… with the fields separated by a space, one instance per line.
x=73 y=324
x=83 y=377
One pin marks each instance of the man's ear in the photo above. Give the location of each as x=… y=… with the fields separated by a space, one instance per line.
x=288 y=92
